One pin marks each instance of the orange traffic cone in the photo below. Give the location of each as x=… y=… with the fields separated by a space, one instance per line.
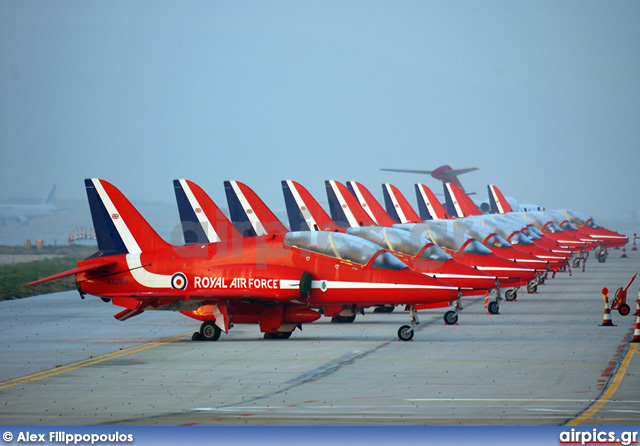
x=624 y=253
x=606 y=320
x=636 y=333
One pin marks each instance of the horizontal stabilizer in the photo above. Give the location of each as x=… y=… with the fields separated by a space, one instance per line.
x=80 y=269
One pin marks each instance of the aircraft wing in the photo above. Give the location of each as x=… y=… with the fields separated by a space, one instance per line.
x=426 y=172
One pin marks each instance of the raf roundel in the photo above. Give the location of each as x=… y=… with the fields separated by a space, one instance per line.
x=179 y=281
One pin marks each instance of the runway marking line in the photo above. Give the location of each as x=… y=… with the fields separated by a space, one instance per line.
x=87 y=362
x=589 y=413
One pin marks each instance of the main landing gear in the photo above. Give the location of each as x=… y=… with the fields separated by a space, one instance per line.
x=405 y=333
x=209 y=331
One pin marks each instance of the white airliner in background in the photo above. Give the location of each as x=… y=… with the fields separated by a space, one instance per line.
x=24 y=212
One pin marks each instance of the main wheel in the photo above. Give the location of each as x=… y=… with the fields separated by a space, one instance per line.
x=210 y=331
x=624 y=309
x=602 y=258
x=196 y=336
x=493 y=307
x=450 y=317
x=511 y=295
x=405 y=333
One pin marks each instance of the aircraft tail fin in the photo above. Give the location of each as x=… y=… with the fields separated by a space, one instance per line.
x=458 y=204
x=370 y=204
x=397 y=205
x=497 y=201
x=119 y=227
x=249 y=213
x=52 y=193
x=304 y=211
x=344 y=207
x=202 y=220
x=429 y=206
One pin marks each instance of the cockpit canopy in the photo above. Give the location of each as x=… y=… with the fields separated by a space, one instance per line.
x=560 y=220
x=543 y=223
x=445 y=236
x=481 y=233
x=400 y=241
x=343 y=247
x=580 y=219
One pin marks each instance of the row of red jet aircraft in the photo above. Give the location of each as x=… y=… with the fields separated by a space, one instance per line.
x=257 y=271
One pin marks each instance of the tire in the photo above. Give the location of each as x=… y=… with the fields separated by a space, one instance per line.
x=494 y=307
x=602 y=258
x=531 y=287
x=196 y=336
x=405 y=333
x=624 y=309
x=511 y=295
x=209 y=331
x=450 y=317
x=576 y=263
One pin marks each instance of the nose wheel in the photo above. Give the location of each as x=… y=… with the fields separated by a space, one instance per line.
x=451 y=316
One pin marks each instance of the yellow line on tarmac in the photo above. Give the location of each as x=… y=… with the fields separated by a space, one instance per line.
x=589 y=413
x=87 y=362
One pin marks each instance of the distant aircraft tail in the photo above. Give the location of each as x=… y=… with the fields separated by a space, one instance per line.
x=119 y=227
x=202 y=220
x=344 y=207
x=458 y=204
x=371 y=206
x=429 y=206
x=397 y=205
x=304 y=211
x=497 y=201
x=249 y=213
x=52 y=193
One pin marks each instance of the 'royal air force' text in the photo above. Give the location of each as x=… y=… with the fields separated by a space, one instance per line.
x=235 y=283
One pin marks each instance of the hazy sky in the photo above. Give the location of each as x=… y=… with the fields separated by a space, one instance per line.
x=543 y=97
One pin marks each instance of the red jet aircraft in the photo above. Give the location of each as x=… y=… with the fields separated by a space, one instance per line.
x=273 y=281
